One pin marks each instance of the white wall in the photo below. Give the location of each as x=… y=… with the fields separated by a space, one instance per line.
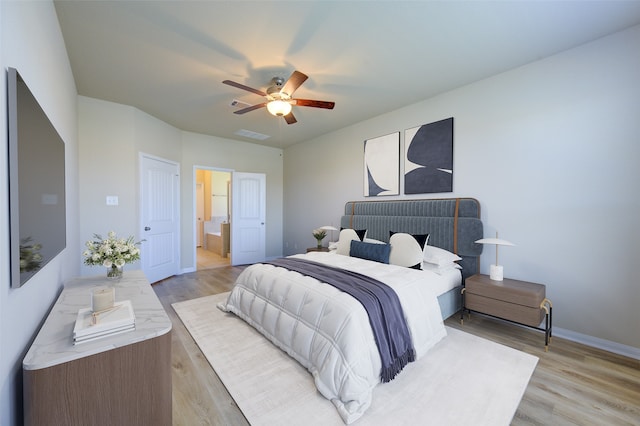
x=201 y=151
x=551 y=151
x=111 y=137
x=32 y=43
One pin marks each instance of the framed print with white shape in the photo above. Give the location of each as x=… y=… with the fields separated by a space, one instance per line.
x=428 y=163
x=382 y=165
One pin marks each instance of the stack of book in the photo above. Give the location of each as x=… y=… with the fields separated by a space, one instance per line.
x=95 y=325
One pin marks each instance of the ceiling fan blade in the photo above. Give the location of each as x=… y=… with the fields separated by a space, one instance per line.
x=243 y=87
x=251 y=108
x=314 y=104
x=290 y=119
x=295 y=81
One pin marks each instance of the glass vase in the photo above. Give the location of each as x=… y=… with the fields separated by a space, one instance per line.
x=319 y=244
x=114 y=272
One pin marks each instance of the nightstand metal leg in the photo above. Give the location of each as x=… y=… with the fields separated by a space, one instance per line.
x=550 y=318
x=548 y=309
x=462 y=310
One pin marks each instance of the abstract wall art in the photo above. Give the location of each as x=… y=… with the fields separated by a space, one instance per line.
x=428 y=164
x=382 y=165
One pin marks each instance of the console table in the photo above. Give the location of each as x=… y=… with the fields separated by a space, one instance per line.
x=120 y=379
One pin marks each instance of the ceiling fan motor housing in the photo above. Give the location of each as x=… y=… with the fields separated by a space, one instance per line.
x=274 y=90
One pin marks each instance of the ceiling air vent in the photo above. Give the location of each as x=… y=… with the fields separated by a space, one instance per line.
x=238 y=104
x=252 y=135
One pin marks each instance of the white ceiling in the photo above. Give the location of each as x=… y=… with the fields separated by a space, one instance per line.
x=169 y=58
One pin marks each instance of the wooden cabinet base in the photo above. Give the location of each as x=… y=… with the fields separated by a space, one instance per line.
x=527 y=315
x=520 y=302
x=129 y=385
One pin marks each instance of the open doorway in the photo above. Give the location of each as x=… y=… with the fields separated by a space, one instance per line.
x=213 y=216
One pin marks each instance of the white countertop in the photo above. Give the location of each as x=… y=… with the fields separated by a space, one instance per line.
x=54 y=343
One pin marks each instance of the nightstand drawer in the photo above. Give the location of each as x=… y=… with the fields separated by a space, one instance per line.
x=511 y=291
x=528 y=315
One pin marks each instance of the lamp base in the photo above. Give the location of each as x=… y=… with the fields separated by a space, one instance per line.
x=495 y=273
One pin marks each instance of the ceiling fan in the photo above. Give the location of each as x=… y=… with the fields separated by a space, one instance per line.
x=280 y=97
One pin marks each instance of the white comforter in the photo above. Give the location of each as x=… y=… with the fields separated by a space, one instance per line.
x=328 y=331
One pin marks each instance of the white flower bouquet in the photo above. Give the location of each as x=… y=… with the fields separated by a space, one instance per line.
x=112 y=253
x=319 y=235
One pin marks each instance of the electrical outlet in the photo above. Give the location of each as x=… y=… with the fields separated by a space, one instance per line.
x=112 y=200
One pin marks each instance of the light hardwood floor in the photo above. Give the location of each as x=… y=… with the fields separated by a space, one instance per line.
x=573 y=384
x=206 y=259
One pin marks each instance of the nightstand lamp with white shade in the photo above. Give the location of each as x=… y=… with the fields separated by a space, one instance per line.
x=329 y=228
x=496 y=271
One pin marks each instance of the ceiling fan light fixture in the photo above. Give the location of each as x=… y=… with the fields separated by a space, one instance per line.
x=279 y=108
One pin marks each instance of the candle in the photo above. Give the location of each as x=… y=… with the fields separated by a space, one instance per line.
x=102 y=299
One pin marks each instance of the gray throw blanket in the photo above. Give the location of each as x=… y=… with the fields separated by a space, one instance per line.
x=379 y=300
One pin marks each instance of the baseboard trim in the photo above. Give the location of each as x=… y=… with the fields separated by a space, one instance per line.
x=606 y=345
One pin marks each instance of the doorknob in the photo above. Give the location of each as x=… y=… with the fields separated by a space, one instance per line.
x=146 y=228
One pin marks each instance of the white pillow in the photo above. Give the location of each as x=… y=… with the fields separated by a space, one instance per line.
x=344 y=241
x=372 y=241
x=426 y=266
x=438 y=256
x=405 y=250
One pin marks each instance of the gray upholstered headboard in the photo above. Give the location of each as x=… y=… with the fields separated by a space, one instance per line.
x=452 y=223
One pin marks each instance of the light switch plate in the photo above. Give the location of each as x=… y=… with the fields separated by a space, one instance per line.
x=112 y=200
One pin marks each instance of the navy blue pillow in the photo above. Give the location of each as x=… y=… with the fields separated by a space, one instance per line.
x=370 y=251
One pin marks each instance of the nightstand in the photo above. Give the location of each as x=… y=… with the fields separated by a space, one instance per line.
x=521 y=302
x=317 y=249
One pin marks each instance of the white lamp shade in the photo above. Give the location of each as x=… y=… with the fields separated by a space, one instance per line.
x=496 y=271
x=495 y=241
x=279 y=107
x=329 y=228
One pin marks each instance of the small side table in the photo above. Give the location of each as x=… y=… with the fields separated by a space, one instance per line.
x=520 y=302
x=317 y=249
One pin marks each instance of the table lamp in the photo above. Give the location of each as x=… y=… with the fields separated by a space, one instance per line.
x=329 y=228
x=496 y=271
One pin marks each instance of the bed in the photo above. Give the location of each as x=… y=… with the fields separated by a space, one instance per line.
x=328 y=331
x=453 y=224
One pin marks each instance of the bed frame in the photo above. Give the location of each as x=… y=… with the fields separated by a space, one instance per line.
x=453 y=224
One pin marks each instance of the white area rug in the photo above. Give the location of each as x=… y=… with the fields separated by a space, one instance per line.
x=464 y=380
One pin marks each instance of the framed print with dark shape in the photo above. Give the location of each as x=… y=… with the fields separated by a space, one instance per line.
x=428 y=164
x=382 y=165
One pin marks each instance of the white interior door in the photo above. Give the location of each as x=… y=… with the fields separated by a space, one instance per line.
x=160 y=217
x=248 y=215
